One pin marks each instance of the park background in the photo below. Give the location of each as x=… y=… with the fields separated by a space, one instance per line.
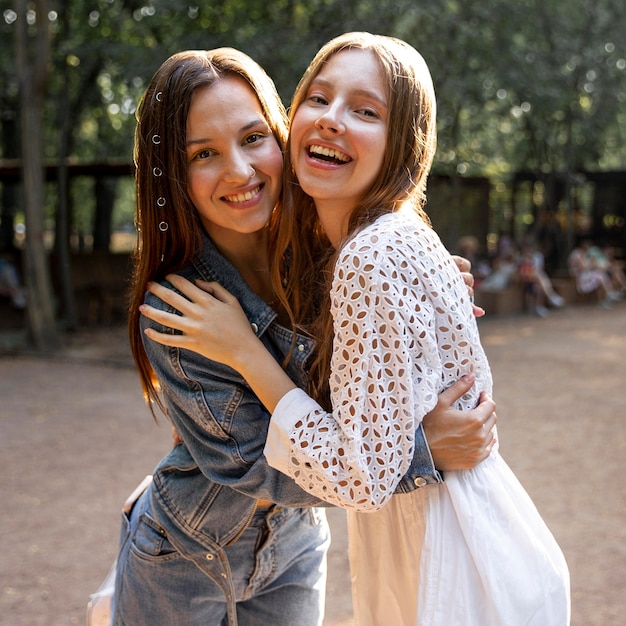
x=532 y=143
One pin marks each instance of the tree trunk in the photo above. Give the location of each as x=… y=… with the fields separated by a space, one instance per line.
x=9 y=189
x=105 y=192
x=62 y=236
x=32 y=76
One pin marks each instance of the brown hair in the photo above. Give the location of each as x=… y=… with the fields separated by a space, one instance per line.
x=409 y=151
x=166 y=219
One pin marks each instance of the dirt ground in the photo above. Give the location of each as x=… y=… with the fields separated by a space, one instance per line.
x=75 y=439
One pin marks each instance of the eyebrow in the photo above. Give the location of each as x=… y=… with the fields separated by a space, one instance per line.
x=252 y=124
x=359 y=92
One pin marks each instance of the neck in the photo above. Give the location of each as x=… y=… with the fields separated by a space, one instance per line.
x=249 y=254
x=334 y=220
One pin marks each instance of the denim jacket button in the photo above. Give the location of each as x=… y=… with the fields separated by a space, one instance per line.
x=209 y=557
x=255 y=328
x=300 y=347
x=420 y=481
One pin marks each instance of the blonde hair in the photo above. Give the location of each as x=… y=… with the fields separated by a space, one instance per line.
x=409 y=152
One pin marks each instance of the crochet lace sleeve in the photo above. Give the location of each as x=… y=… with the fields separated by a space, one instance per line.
x=383 y=319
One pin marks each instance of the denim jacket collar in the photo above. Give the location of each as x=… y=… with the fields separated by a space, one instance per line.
x=213 y=266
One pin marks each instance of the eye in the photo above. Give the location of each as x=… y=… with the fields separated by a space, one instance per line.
x=367 y=112
x=254 y=138
x=317 y=99
x=206 y=153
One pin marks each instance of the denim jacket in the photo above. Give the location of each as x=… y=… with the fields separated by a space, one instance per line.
x=204 y=490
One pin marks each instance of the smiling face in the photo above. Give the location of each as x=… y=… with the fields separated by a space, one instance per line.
x=234 y=162
x=338 y=136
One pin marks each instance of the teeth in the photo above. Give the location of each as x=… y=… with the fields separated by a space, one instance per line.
x=328 y=152
x=243 y=197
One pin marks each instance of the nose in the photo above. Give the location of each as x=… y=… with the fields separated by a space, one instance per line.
x=238 y=168
x=330 y=121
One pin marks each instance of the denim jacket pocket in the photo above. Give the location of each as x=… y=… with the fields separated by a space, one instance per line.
x=150 y=540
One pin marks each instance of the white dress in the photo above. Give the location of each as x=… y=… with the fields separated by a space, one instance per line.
x=472 y=551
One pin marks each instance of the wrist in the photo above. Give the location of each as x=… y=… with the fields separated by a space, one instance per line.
x=264 y=374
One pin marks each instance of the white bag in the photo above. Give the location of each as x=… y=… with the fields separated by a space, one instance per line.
x=99 y=605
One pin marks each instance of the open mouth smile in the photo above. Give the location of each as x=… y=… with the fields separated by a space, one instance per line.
x=330 y=155
x=243 y=197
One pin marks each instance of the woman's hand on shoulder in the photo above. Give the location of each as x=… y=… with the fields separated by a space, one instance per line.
x=468 y=278
x=210 y=320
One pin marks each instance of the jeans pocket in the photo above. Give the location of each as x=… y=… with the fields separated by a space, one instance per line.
x=150 y=540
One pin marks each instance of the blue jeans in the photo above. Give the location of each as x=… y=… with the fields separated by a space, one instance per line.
x=278 y=568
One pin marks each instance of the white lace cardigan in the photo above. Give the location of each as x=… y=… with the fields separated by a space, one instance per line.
x=404 y=331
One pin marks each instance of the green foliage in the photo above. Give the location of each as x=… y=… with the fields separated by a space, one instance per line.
x=533 y=85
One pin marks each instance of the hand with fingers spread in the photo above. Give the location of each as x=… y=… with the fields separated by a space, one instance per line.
x=210 y=320
x=214 y=325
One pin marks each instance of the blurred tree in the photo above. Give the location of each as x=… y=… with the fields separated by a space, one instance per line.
x=9 y=132
x=32 y=51
x=537 y=87
x=564 y=83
